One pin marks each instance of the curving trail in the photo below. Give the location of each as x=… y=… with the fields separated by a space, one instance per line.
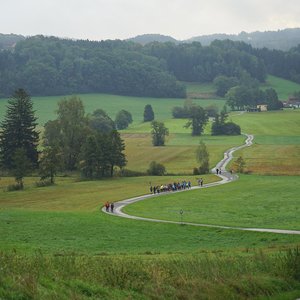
x=226 y=178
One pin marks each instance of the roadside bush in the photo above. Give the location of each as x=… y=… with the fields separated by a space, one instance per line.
x=196 y=171
x=231 y=128
x=156 y=169
x=128 y=173
x=14 y=187
x=44 y=183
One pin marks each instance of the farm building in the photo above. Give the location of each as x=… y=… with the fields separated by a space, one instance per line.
x=258 y=108
x=262 y=107
x=293 y=102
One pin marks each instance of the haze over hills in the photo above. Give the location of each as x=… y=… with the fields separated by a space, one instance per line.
x=281 y=40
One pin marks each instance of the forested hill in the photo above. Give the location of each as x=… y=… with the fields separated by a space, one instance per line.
x=149 y=38
x=280 y=40
x=53 y=66
x=8 y=41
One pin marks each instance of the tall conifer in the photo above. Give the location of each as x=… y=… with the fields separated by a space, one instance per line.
x=18 y=130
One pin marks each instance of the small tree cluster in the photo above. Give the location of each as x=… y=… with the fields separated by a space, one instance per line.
x=220 y=127
x=88 y=143
x=156 y=169
x=101 y=153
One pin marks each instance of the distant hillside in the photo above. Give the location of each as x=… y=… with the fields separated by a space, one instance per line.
x=8 y=41
x=280 y=40
x=149 y=38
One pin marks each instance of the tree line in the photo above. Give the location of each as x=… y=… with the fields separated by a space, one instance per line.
x=73 y=141
x=53 y=66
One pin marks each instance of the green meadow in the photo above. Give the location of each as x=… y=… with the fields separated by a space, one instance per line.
x=55 y=242
x=283 y=87
x=46 y=106
x=276 y=148
x=243 y=203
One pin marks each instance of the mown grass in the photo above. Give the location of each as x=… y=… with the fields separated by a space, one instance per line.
x=85 y=254
x=178 y=155
x=98 y=233
x=70 y=195
x=173 y=277
x=46 y=106
x=252 y=201
x=283 y=87
x=276 y=148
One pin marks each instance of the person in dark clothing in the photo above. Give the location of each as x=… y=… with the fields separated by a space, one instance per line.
x=112 y=207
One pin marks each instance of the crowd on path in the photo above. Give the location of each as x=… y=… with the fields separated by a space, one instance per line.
x=170 y=187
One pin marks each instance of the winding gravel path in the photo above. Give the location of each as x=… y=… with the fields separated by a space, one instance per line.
x=226 y=178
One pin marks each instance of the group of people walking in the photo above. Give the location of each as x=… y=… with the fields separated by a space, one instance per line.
x=170 y=187
x=109 y=206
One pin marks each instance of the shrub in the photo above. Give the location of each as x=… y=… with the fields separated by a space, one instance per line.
x=231 y=128
x=156 y=169
x=196 y=171
x=129 y=173
x=43 y=183
x=14 y=187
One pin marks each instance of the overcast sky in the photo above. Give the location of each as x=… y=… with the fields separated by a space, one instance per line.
x=121 y=19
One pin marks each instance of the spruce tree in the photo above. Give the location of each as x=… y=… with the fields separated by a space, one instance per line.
x=148 y=113
x=18 y=130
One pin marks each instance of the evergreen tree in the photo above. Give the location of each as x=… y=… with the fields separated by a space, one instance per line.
x=148 y=113
x=19 y=130
x=89 y=162
x=115 y=155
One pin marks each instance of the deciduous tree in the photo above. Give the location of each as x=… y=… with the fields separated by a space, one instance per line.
x=198 y=120
x=159 y=132
x=202 y=157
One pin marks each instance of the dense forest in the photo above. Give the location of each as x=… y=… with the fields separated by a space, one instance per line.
x=53 y=66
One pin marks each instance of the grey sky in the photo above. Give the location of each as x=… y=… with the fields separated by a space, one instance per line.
x=112 y=19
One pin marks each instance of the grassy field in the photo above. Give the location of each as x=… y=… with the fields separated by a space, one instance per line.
x=55 y=243
x=70 y=194
x=276 y=147
x=284 y=88
x=46 y=106
x=252 y=201
x=258 y=276
x=178 y=156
